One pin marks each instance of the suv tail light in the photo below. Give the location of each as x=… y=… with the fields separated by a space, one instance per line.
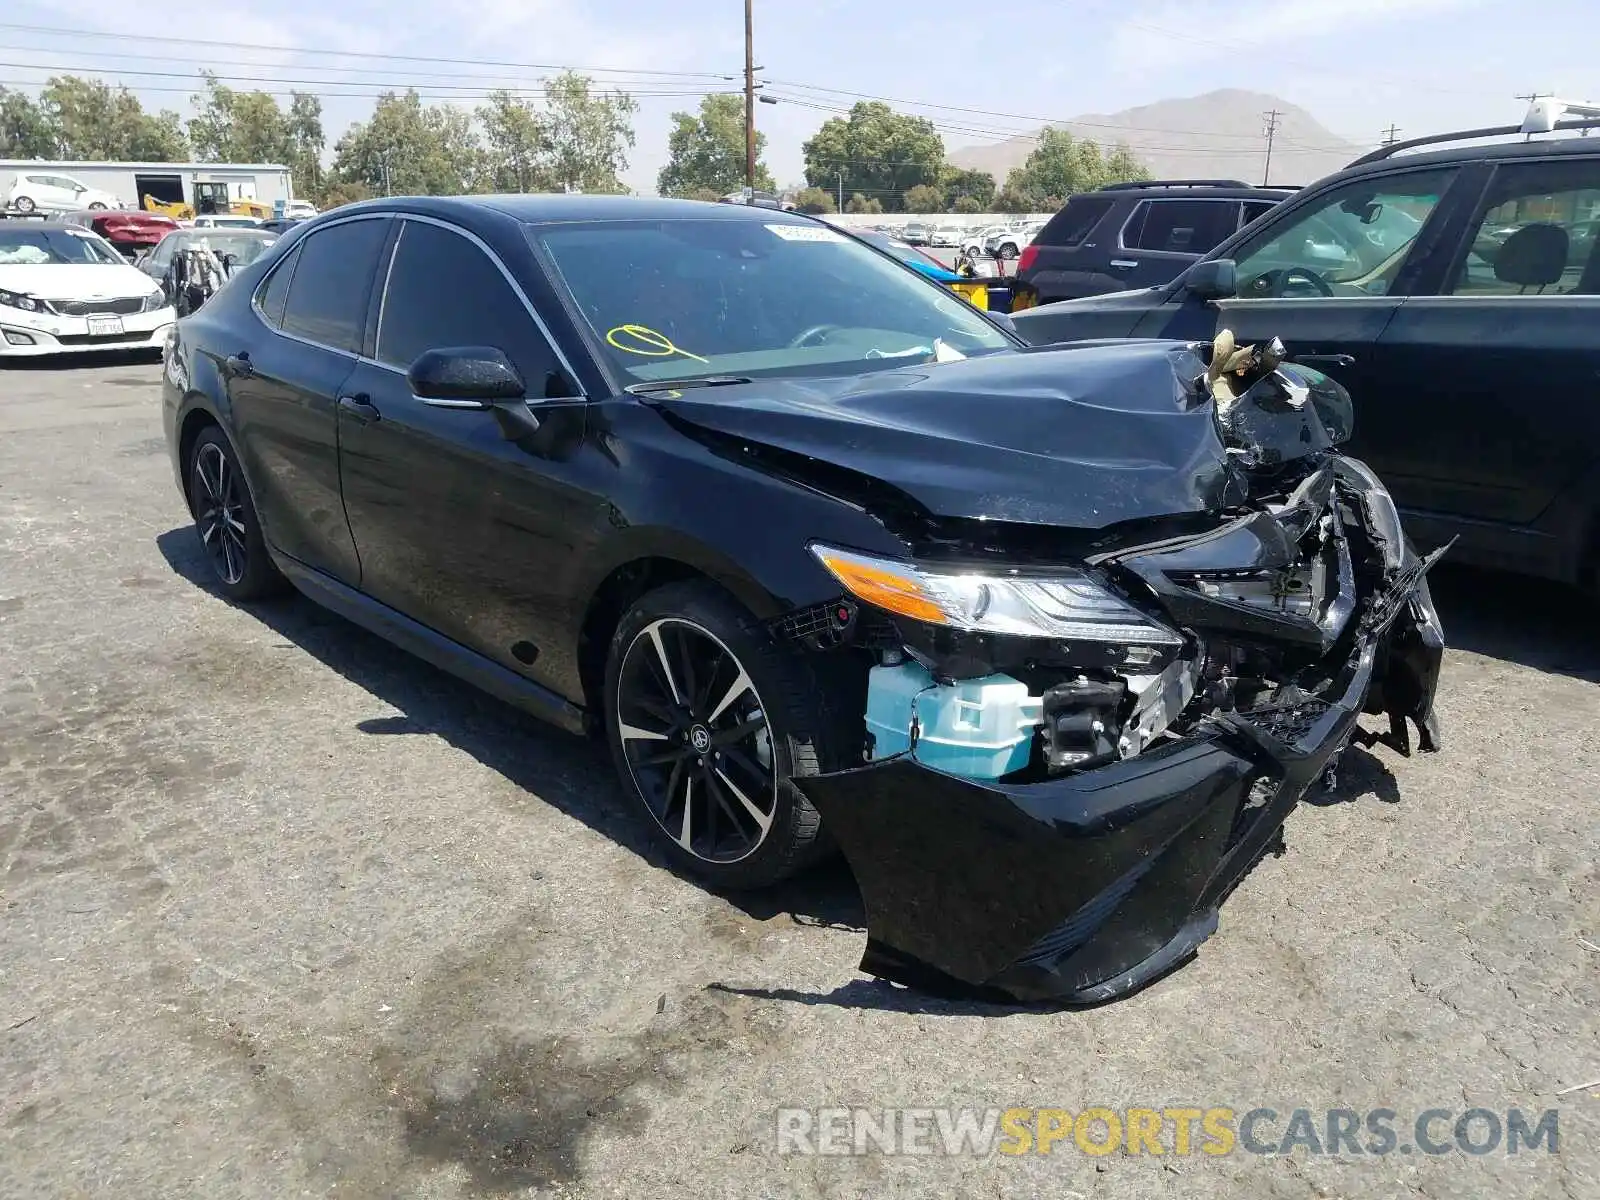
x=1029 y=254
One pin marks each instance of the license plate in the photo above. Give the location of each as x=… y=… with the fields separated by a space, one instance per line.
x=104 y=326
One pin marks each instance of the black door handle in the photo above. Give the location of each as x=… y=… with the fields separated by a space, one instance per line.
x=361 y=407
x=238 y=365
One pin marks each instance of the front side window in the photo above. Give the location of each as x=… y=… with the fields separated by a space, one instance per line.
x=327 y=300
x=1353 y=241
x=1536 y=235
x=479 y=308
x=1181 y=226
x=693 y=297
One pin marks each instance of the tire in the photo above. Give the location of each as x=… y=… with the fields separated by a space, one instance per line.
x=23 y=204
x=1008 y=251
x=230 y=538
x=725 y=846
x=97 y=207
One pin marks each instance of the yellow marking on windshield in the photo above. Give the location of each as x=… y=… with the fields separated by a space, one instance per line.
x=658 y=345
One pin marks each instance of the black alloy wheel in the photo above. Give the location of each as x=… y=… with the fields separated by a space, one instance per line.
x=697 y=741
x=708 y=720
x=226 y=522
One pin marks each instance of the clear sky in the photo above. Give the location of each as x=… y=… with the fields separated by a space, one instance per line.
x=1356 y=65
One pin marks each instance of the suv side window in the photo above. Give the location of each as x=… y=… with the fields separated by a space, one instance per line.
x=327 y=301
x=1351 y=241
x=1537 y=233
x=480 y=308
x=1074 y=223
x=1180 y=226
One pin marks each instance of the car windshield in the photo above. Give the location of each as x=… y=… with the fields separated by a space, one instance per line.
x=41 y=247
x=696 y=297
x=240 y=249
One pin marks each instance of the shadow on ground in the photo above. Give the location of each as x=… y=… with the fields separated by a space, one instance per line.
x=86 y=360
x=572 y=773
x=1547 y=626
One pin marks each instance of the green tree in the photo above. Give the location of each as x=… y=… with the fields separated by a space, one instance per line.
x=977 y=187
x=924 y=198
x=880 y=152
x=405 y=148
x=335 y=194
x=93 y=121
x=1010 y=200
x=861 y=204
x=815 y=200
x=249 y=127
x=517 y=145
x=590 y=134
x=1062 y=164
x=25 y=130
x=706 y=152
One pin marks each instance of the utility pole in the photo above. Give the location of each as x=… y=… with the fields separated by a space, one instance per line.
x=1391 y=135
x=749 y=98
x=1271 y=132
x=841 y=189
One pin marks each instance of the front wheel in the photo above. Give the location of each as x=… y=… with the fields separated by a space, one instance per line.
x=1008 y=251
x=709 y=719
x=97 y=206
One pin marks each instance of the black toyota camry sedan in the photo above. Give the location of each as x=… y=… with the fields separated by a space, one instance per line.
x=1048 y=642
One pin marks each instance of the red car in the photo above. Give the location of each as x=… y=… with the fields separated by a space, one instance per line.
x=129 y=230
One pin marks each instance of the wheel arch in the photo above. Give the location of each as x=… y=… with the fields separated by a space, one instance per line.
x=194 y=421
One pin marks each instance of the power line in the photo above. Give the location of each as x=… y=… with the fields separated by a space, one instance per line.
x=308 y=50
x=1391 y=135
x=424 y=92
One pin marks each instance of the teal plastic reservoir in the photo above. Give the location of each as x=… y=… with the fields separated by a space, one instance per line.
x=979 y=728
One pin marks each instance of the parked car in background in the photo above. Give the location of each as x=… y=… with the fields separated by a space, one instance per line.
x=916 y=233
x=1010 y=243
x=974 y=240
x=945 y=235
x=1453 y=286
x=1135 y=235
x=65 y=289
x=50 y=192
x=302 y=210
x=129 y=230
x=234 y=248
x=225 y=221
x=281 y=225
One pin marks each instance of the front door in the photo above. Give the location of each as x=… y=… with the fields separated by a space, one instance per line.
x=464 y=521
x=1162 y=237
x=1502 y=374
x=1327 y=277
x=283 y=386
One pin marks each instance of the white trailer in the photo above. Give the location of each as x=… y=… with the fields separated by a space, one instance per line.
x=203 y=186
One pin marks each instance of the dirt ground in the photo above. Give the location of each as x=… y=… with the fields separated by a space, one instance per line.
x=284 y=912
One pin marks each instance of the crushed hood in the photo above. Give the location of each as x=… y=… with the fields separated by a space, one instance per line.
x=1082 y=437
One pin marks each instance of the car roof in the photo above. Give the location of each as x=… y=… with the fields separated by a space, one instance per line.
x=1157 y=189
x=1464 y=152
x=560 y=207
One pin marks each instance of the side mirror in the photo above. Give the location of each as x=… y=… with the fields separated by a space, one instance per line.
x=1213 y=279
x=465 y=377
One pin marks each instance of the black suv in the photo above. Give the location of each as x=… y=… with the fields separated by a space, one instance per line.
x=1051 y=641
x=1456 y=292
x=1134 y=235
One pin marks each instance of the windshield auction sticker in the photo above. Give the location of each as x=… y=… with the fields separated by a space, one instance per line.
x=806 y=233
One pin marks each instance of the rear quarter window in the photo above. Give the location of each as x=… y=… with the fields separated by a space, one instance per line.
x=1074 y=223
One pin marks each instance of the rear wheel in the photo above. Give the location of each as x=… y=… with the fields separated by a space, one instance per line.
x=97 y=206
x=709 y=719
x=225 y=519
x=1008 y=251
x=23 y=204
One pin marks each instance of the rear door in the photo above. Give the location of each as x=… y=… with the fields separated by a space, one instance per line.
x=284 y=383
x=464 y=522
x=1500 y=416
x=1162 y=236
x=1062 y=266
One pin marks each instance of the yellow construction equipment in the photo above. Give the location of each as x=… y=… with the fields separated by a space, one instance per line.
x=210 y=198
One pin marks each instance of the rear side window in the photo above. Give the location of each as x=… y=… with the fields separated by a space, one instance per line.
x=272 y=297
x=327 y=300
x=1180 y=226
x=1074 y=223
x=481 y=308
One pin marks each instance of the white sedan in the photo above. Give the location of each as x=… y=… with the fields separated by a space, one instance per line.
x=65 y=290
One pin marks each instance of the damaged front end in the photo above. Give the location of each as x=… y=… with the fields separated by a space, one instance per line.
x=1067 y=769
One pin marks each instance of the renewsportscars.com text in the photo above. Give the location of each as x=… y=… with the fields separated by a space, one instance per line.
x=1180 y=1131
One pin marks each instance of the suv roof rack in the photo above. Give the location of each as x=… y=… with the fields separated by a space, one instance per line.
x=1151 y=183
x=1543 y=117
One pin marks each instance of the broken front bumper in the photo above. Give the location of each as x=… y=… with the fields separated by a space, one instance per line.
x=1084 y=888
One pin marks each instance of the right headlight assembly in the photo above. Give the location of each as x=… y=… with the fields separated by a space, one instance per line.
x=1064 y=604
